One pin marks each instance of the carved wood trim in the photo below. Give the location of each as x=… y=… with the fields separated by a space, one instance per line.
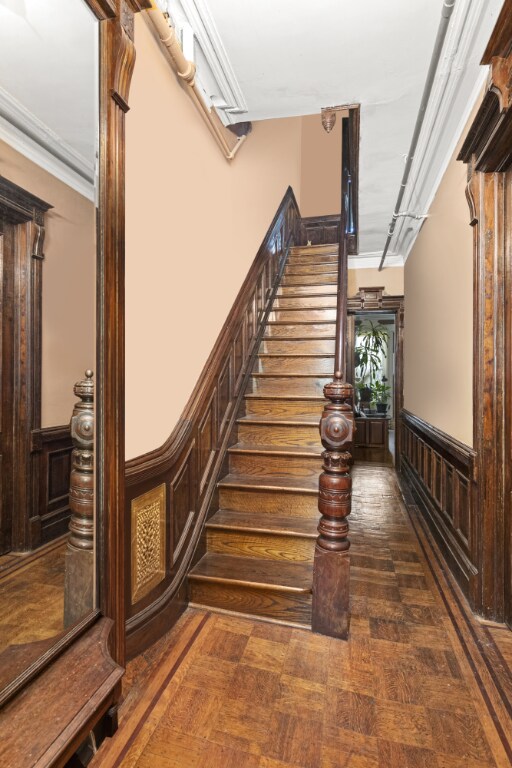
x=488 y=145
x=177 y=461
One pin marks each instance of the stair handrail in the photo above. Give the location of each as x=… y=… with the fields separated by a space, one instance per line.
x=330 y=607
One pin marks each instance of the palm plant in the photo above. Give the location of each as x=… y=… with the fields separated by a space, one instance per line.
x=372 y=347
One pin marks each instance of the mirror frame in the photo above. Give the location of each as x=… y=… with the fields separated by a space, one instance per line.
x=116 y=63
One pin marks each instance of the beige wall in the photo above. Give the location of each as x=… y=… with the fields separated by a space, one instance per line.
x=194 y=223
x=69 y=284
x=392 y=278
x=438 y=337
x=320 y=183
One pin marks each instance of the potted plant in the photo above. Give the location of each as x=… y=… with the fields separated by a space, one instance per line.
x=381 y=392
x=372 y=346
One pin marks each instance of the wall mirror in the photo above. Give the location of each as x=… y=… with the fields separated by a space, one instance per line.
x=49 y=107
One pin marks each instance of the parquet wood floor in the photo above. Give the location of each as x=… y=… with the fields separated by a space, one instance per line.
x=420 y=683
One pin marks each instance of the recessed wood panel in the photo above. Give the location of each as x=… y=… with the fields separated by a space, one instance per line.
x=207 y=441
x=239 y=355
x=225 y=394
x=463 y=507
x=183 y=498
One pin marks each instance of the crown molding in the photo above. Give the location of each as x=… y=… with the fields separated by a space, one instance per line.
x=458 y=84
x=214 y=70
x=29 y=136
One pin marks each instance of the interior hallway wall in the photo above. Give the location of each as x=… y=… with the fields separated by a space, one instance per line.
x=391 y=278
x=69 y=284
x=320 y=181
x=438 y=335
x=194 y=223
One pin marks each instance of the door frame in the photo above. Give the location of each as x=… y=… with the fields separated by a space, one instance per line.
x=22 y=219
x=372 y=300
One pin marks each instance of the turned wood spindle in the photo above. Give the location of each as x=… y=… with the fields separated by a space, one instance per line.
x=79 y=598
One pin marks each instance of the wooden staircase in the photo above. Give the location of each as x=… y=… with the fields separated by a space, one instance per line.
x=261 y=540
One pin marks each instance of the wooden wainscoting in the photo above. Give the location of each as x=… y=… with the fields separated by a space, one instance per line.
x=441 y=474
x=51 y=448
x=186 y=467
x=320 y=230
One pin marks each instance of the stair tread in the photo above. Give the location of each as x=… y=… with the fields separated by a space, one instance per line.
x=295 y=421
x=293 y=577
x=301 y=322
x=248 y=521
x=320 y=355
x=271 y=482
x=256 y=396
x=288 y=450
x=273 y=375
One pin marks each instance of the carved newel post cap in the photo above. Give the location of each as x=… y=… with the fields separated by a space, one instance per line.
x=338 y=391
x=84 y=389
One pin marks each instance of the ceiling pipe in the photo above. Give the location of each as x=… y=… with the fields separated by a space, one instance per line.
x=186 y=71
x=448 y=6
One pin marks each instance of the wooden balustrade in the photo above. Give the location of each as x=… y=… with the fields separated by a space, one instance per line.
x=330 y=614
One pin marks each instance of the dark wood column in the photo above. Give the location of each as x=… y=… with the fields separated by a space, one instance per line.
x=488 y=154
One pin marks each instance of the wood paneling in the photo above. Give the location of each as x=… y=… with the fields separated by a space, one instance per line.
x=440 y=471
x=371 y=440
x=190 y=460
x=52 y=468
x=320 y=230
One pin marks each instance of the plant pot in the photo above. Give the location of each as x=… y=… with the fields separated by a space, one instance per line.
x=382 y=407
x=365 y=395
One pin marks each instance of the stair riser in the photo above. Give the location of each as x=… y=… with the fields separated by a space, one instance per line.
x=306 y=302
x=283 y=365
x=282 y=606
x=310 y=331
x=303 y=346
x=299 y=386
x=277 y=408
x=308 y=269
x=261 y=545
x=303 y=315
x=325 y=279
x=259 y=434
x=275 y=502
x=262 y=464
x=307 y=290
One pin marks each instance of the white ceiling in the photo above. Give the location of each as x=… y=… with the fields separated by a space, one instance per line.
x=291 y=57
x=49 y=81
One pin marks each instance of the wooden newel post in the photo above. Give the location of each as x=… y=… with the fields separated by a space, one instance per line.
x=331 y=564
x=79 y=574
